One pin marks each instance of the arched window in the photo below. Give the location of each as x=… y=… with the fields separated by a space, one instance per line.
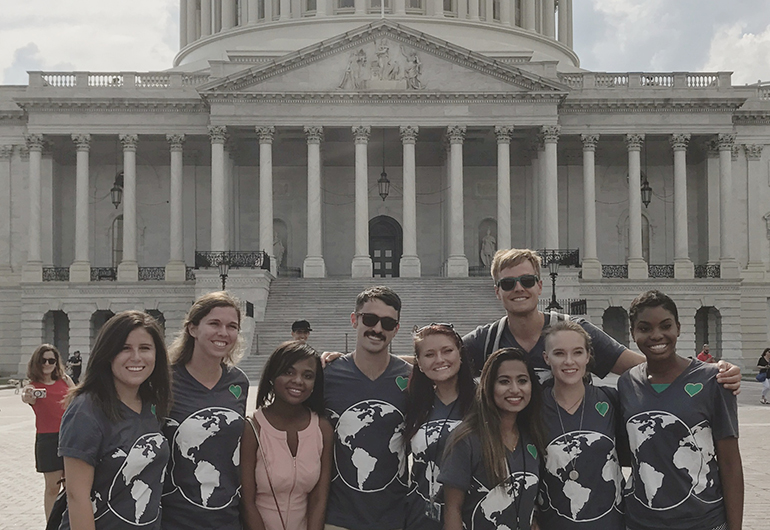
x=116 y=234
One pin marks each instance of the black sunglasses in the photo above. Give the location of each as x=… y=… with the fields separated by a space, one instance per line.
x=43 y=360
x=527 y=281
x=370 y=320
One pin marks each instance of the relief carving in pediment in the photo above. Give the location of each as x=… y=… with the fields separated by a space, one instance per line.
x=382 y=66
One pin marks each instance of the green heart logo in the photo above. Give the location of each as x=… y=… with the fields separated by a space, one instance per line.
x=531 y=449
x=402 y=382
x=152 y=409
x=693 y=388
x=602 y=407
x=236 y=390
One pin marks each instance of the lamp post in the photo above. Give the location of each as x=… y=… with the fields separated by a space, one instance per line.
x=553 y=268
x=224 y=269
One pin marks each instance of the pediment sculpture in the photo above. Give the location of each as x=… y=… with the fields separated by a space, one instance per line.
x=380 y=67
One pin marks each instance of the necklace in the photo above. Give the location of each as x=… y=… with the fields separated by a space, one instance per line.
x=573 y=474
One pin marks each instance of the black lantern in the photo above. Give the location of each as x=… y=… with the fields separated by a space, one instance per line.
x=116 y=192
x=383 y=183
x=553 y=268
x=224 y=269
x=646 y=193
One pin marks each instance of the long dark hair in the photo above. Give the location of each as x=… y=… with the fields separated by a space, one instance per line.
x=283 y=358
x=420 y=393
x=484 y=417
x=99 y=381
x=35 y=364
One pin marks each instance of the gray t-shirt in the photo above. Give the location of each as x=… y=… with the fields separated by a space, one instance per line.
x=606 y=349
x=369 y=480
x=675 y=483
x=487 y=506
x=129 y=458
x=427 y=447
x=583 y=442
x=203 y=487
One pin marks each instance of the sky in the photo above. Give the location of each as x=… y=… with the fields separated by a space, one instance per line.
x=610 y=36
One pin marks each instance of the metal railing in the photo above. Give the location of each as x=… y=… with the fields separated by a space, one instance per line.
x=708 y=271
x=615 y=271
x=100 y=274
x=189 y=274
x=571 y=306
x=56 y=274
x=660 y=271
x=152 y=274
x=236 y=259
x=565 y=257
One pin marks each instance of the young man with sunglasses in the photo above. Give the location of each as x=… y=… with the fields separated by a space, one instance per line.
x=518 y=286
x=365 y=398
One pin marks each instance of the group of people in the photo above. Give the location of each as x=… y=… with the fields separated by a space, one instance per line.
x=375 y=441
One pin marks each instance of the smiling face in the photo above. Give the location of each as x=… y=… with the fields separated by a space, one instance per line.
x=438 y=357
x=296 y=384
x=656 y=332
x=513 y=387
x=134 y=363
x=567 y=355
x=374 y=340
x=519 y=300
x=48 y=368
x=216 y=334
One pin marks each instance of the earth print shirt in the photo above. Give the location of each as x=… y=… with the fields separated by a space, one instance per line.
x=203 y=488
x=427 y=446
x=581 y=486
x=509 y=504
x=369 y=480
x=129 y=458
x=675 y=482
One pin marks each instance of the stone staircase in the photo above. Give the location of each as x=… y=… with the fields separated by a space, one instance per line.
x=328 y=302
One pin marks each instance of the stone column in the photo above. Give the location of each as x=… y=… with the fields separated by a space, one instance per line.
x=285 y=6
x=229 y=165
x=266 y=237
x=176 y=270
x=438 y=8
x=361 y=267
x=80 y=270
x=757 y=264
x=400 y=7
x=506 y=13
x=528 y=14
x=314 y=265
x=192 y=21
x=183 y=22
x=549 y=18
x=550 y=190
x=206 y=14
x=410 y=266
x=473 y=9
x=565 y=22
x=229 y=15
x=535 y=151
x=268 y=11
x=218 y=134
x=216 y=16
x=727 y=261
x=503 y=133
x=6 y=154
x=33 y=268
x=637 y=267
x=254 y=12
x=592 y=267
x=128 y=268
x=683 y=266
x=712 y=182
x=457 y=264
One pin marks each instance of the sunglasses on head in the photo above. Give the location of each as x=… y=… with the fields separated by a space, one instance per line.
x=435 y=324
x=527 y=281
x=49 y=361
x=370 y=320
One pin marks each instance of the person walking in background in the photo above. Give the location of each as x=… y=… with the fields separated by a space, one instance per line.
x=75 y=363
x=205 y=424
x=114 y=451
x=286 y=451
x=705 y=356
x=764 y=364
x=300 y=330
x=45 y=393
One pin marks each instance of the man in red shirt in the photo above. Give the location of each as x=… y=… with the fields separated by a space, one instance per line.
x=705 y=356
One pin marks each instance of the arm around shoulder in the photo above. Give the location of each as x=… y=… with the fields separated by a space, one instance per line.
x=729 y=376
x=731 y=475
x=249 y=513
x=80 y=480
x=453 y=508
x=628 y=359
x=316 y=503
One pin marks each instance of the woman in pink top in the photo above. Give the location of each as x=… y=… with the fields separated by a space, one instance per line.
x=48 y=385
x=286 y=449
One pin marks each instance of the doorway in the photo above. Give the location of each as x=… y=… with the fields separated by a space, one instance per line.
x=385 y=246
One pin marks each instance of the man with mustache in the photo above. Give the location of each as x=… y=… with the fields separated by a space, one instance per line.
x=366 y=402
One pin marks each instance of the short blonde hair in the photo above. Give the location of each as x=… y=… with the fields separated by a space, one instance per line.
x=510 y=257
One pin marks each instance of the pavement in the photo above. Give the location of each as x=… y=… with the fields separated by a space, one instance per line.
x=21 y=502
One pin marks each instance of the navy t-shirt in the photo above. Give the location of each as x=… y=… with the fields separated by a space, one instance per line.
x=591 y=498
x=203 y=488
x=129 y=458
x=606 y=349
x=675 y=483
x=369 y=480
x=427 y=447
x=487 y=506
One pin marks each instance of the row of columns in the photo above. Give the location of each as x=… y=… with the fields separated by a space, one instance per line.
x=221 y=15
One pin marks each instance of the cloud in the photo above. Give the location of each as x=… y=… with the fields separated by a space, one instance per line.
x=25 y=59
x=745 y=54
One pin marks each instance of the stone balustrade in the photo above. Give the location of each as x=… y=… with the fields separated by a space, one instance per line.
x=651 y=80
x=115 y=80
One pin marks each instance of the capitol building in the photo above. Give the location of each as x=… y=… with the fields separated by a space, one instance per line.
x=303 y=143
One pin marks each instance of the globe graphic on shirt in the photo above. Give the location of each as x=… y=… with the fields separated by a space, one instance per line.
x=502 y=506
x=137 y=476
x=597 y=487
x=658 y=439
x=198 y=453
x=425 y=449
x=369 y=453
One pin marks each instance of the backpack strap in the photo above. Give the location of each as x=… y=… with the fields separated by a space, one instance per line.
x=494 y=335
